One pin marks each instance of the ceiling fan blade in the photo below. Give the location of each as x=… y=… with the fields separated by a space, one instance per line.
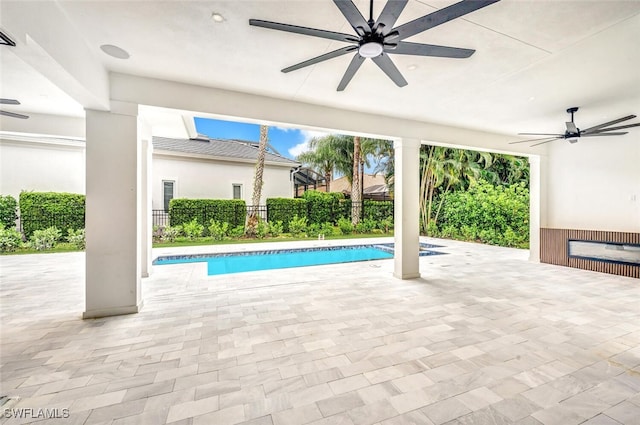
x=14 y=115
x=547 y=141
x=391 y=13
x=353 y=15
x=304 y=31
x=620 y=133
x=9 y=101
x=407 y=48
x=571 y=127
x=326 y=56
x=351 y=71
x=386 y=65
x=533 y=140
x=441 y=16
x=620 y=127
x=607 y=124
x=540 y=134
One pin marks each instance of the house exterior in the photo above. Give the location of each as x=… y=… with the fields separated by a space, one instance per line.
x=185 y=168
x=212 y=168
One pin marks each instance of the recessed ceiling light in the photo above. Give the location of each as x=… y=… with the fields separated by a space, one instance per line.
x=412 y=67
x=217 y=17
x=114 y=51
x=532 y=98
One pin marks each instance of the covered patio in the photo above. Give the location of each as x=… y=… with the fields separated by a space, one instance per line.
x=481 y=335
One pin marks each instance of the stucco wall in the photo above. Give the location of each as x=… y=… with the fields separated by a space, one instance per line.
x=595 y=184
x=199 y=178
x=41 y=167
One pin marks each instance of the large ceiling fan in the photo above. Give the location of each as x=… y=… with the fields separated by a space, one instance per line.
x=573 y=133
x=376 y=39
x=11 y=114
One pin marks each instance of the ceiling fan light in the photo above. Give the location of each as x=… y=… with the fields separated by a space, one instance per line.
x=370 y=50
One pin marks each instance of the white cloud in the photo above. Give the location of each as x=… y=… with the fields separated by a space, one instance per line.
x=303 y=146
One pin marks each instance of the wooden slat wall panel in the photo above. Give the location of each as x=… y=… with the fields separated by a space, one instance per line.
x=553 y=250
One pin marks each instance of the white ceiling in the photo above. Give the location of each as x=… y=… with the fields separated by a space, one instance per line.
x=533 y=59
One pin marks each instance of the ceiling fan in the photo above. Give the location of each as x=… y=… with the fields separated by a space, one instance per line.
x=11 y=114
x=573 y=133
x=376 y=39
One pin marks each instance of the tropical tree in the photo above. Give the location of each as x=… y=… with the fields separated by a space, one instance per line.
x=252 y=217
x=356 y=190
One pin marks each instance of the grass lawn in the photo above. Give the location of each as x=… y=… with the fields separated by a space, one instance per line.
x=182 y=241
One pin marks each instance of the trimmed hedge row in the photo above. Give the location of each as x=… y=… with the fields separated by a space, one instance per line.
x=284 y=209
x=41 y=210
x=8 y=208
x=232 y=211
x=323 y=207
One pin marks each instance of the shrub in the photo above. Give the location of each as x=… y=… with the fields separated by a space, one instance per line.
x=366 y=226
x=327 y=229
x=232 y=211
x=8 y=215
x=218 y=230
x=170 y=233
x=323 y=207
x=10 y=239
x=298 y=226
x=76 y=238
x=193 y=229
x=378 y=210
x=276 y=228
x=386 y=224
x=314 y=230
x=40 y=210
x=283 y=209
x=237 y=232
x=345 y=225
x=262 y=229
x=497 y=215
x=157 y=233
x=45 y=239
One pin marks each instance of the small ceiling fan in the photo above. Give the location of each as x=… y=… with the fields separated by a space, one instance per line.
x=377 y=39
x=573 y=133
x=11 y=114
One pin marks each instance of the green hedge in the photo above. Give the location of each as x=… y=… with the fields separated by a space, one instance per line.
x=41 y=210
x=378 y=210
x=323 y=207
x=8 y=208
x=232 y=211
x=284 y=209
x=497 y=215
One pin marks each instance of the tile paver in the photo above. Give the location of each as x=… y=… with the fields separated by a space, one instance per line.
x=483 y=337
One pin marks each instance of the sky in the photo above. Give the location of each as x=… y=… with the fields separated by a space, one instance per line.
x=289 y=142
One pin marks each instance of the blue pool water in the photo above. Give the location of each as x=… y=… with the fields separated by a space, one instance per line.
x=279 y=259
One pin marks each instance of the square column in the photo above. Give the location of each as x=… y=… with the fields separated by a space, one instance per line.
x=146 y=239
x=537 y=204
x=407 y=208
x=113 y=213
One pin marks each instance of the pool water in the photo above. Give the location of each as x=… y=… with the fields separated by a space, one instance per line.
x=237 y=262
x=253 y=261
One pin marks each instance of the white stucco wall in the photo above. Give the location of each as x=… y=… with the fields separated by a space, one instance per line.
x=41 y=167
x=202 y=178
x=595 y=184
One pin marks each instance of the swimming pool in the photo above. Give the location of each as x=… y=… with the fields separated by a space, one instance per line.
x=237 y=262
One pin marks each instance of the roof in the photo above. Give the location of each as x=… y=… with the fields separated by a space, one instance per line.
x=231 y=149
x=343 y=185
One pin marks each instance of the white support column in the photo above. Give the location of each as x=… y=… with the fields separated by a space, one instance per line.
x=537 y=204
x=146 y=191
x=113 y=213
x=406 y=208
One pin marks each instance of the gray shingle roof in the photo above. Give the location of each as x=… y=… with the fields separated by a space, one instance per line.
x=232 y=149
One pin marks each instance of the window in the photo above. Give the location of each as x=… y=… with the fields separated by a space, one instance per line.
x=237 y=191
x=168 y=193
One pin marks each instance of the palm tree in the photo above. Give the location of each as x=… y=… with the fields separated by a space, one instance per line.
x=320 y=158
x=253 y=218
x=356 y=191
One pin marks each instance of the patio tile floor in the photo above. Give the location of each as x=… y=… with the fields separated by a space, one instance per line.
x=484 y=337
